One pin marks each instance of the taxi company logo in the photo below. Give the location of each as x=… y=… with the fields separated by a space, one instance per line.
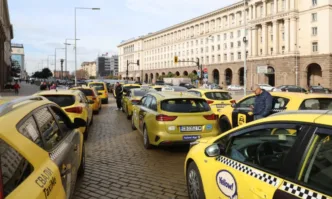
x=227 y=184
x=209 y=127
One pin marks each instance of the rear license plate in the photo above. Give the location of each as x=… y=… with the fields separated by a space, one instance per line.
x=191 y=128
x=191 y=137
x=220 y=105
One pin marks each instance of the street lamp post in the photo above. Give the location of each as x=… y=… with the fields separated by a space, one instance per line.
x=80 y=8
x=245 y=51
x=67 y=44
x=55 y=58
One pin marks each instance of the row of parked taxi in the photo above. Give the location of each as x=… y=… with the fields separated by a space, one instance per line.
x=286 y=155
x=42 y=141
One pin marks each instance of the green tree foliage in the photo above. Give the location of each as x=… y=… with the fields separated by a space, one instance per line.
x=43 y=74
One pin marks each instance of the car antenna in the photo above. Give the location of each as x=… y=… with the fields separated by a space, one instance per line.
x=321 y=115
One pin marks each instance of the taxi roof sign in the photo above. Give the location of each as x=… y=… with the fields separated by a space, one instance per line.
x=167 y=89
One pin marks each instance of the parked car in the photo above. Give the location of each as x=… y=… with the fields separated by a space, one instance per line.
x=102 y=90
x=319 y=89
x=91 y=94
x=187 y=85
x=234 y=88
x=290 y=88
x=179 y=88
x=160 y=82
x=266 y=87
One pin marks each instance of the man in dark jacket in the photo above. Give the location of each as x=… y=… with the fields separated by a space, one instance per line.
x=43 y=86
x=263 y=103
x=118 y=93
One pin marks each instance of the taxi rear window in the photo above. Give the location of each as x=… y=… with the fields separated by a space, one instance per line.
x=140 y=93
x=61 y=100
x=317 y=104
x=87 y=92
x=218 y=96
x=185 y=105
x=127 y=88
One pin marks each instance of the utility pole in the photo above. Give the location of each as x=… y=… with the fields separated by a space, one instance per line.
x=128 y=63
x=245 y=51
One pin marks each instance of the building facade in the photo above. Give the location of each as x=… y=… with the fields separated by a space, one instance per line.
x=18 y=58
x=114 y=65
x=58 y=74
x=6 y=35
x=103 y=66
x=285 y=42
x=90 y=68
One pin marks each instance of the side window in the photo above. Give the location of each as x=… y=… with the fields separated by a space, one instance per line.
x=63 y=120
x=30 y=130
x=147 y=102
x=49 y=129
x=83 y=98
x=316 y=104
x=14 y=168
x=263 y=148
x=246 y=102
x=279 y=102
x=153 y=105
x=317 y=167
x=143 y=100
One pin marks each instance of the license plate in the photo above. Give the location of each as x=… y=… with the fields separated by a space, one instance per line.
x=191 y=137
x=190 y=128
x=220 y=105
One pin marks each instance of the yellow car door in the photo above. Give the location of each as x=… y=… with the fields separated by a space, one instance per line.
x=254 y=163
x=87 y=107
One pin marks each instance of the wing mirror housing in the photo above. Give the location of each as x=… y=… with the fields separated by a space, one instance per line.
x=214 y=150
x=233 y=103
x=78 y=122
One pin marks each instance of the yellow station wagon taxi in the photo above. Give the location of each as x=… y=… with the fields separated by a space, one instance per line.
x=217 y=99
x=241 y=112
x=42 y=151
x=91 y=94
x=101 y=87
x=166 y=118
x=284 y=156
x=74 y=103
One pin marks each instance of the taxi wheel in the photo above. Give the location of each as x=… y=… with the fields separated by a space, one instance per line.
x=127 y=114
x=146 y=141
x=194 y=182
x=132 y=124
x=81 y=169
x=224 y=124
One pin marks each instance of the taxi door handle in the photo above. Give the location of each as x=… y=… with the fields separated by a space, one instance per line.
x=257 y=192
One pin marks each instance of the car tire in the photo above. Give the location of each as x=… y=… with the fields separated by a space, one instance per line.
x=132 y=124
x=194 y=182
x=91 y=122
x=127 y=114
x=224 y=124
x=81 y=169
x=146 y=141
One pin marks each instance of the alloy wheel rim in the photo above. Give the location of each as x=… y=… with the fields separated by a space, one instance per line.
x=193 y=185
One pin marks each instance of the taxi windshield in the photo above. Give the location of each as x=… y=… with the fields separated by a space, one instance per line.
x=87 y=92
x=218 y=96
x=185 y=105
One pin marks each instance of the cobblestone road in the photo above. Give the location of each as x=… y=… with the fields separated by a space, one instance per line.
x=118 y=166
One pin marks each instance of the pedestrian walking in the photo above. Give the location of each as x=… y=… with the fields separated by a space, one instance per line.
x=53 y=87
x=43 y=86
x=16 y=87
x=263 y=103
x=118 y=93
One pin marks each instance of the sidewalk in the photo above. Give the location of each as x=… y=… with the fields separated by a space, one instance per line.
x=26 y=90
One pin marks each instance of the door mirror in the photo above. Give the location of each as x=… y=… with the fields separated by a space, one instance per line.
x=91 y=102
x=213 y=150
x=78 y=122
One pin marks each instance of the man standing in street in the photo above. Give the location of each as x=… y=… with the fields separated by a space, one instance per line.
x=43 y=86
x=118 y=93
x=263 y=103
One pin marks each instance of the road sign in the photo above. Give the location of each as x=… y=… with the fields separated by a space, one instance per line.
x=205 y=70
x=262 y=69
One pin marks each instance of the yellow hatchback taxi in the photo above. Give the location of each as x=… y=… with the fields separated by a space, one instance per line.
x=127 y=87
x=217 y=99
x=91 y=94
x=284 y=156
x=132 y=97
x=42 y=151
x=101 y=87
x=74 y=103
x=241 y=112
x=166 y=118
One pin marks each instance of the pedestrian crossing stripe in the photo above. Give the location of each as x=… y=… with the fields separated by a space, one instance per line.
x=265 y=177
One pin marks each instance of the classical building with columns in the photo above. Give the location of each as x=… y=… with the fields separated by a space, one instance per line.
x=285 y=41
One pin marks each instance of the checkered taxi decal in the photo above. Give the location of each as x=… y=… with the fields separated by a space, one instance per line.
x=267 y=178
x=301 y=192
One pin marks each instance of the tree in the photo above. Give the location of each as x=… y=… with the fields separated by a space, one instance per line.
x=193 y=76
x=170 y=74
x=46 y=73
x=92 y=77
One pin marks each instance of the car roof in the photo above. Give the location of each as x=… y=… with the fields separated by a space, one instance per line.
x=131 y=85
x=59 y=92
x=207 y=90
x=297 y=95
x=170 y=95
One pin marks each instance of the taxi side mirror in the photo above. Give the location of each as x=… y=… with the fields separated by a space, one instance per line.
x=78 y=122
x=213 y=150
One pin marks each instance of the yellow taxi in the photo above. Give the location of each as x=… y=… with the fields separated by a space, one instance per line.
x=217 y=99
x=284 y=156
x=132 y=97
x=42 y=151
x=74 y=103
x=241 y=112
x=127 y=87
x=166 y=118
x=91 y=94
x=101 y=87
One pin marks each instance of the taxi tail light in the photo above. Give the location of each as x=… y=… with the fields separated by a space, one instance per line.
x=209 y=101
x=165 y=118
x=77 y=109
x=211 y=117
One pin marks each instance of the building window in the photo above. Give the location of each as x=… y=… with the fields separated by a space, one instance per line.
x=239 y=44
x=239 y=55
x=225 y=46
x=261 y=11
x=314 y=17
x=212 y=38
x=271 y=51
x=239 y=33
x=225 y=57
x=261 y=51
x=283 y=49
x=192 y=43
x=314 y=2
x=261 y=39
x=314 y=31
x=271 y=37
x=212 y=61
x=218 y=47
x=232 y=56
x=225 y=36
x=219 y=57
x=207 y=40
x=207 y=59
x=202 y=50
x=206 y=49
x=196 y=42
x=218 y=37
x=212 y=48
x=232 y=45
x=202 y=41
x=272 y=8
x=247 y=54
x=231 y=36
x=283 y=36
x=315 y=47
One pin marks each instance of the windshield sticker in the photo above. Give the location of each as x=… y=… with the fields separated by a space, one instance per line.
x=227 y=184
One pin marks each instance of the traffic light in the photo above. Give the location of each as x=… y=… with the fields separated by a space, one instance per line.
x=176 y=59
x=138 y=62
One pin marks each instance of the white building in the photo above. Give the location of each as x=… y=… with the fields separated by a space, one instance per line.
x=281 y=35
x=90 y=68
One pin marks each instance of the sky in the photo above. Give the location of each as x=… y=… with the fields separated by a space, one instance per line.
x=43 y=25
